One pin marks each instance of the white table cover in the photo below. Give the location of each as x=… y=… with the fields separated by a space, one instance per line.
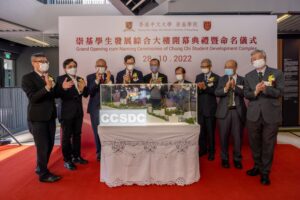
x=151 y=154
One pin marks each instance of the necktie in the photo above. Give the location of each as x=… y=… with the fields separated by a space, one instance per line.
x=43 y=77
x=101 y=79
x=206 y=78
x=260 y=76
x=230 y=96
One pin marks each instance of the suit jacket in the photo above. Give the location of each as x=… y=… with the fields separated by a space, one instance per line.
x=94 y=92
x=123 y=72
x=71 y=100
x=266 y=103
x=222 y=108
x=41 y=105
x=207 y=101
x=148 y=77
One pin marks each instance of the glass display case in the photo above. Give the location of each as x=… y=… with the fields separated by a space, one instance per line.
x=144 y=104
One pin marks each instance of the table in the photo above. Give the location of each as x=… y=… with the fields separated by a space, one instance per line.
x=149 y=154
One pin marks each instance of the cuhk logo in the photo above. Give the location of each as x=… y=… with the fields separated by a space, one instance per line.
x=129 y=26
x=207 y=25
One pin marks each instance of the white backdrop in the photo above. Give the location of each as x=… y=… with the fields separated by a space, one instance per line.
x=176 y=40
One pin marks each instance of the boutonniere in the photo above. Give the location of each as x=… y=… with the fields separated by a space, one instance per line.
x=211 y=79
x=271 y=79
x=135 y=77
x=51 y=79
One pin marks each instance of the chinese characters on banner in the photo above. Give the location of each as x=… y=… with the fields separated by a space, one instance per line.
x=175 y=40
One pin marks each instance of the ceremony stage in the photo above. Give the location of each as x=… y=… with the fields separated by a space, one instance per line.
x=18 y=181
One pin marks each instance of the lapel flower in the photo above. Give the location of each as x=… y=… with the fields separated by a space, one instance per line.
x=135 y=77
x=211 y=79
x=271 y=79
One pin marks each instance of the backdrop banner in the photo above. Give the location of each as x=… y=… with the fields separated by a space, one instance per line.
x=175 y=40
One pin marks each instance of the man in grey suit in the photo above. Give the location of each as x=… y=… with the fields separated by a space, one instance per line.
x=263 y=88
x=231 y=112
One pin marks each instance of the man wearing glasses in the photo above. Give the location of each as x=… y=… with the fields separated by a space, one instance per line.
x=41 y=114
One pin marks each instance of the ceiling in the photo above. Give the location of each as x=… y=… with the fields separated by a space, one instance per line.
x=40 y=21
x=290 y=25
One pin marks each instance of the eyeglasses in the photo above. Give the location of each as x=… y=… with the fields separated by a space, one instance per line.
x=41 y=61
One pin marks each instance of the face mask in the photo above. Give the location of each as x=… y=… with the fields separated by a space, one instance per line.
x=259 y=63
x=130 y=67
x=179 y=77
x=154 y=69
x=101 y=70
x=44 y=67
x=229 y=72
x=72 y=71
x=205 y=70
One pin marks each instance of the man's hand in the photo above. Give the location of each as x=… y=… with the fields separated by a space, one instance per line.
x=201 y=86
x=67 y=84
x=49 y=83
x=228 y=85
x=98 y=77
x=126 y=78
x=232 y=83
x=108 y=75
x=81 y=85
x=259 y=88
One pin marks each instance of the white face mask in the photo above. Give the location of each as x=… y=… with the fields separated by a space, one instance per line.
x=44 y=67
x=259 y=63
x=71 y=71
x=205 y=70
x=179 y=77
x=130 y=67
x=101 y=70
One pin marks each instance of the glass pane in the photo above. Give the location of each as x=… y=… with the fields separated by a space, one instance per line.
x=143 y=104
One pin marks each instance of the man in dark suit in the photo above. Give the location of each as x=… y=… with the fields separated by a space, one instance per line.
x=157 y=92
x=41 y=114
x=263 y=88
x=231 y=113
x=102 y=76
x=129 y=74
x=70 y=88
x=207 y=83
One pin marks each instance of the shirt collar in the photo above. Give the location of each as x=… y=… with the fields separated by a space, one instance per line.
x=73 y=78
x=262 y=70
x=208 y=74
x=155 y=74
x=38 y=73
x=234 y=76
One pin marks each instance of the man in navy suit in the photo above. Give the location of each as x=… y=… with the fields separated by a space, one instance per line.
x=231 y=113
x=129 y=74
x=70 y=89
x=207 y=105
x=102 y=76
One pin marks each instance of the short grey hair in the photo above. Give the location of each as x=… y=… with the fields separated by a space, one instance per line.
x=37 y=55
x=206 y=60
x=256 y=51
